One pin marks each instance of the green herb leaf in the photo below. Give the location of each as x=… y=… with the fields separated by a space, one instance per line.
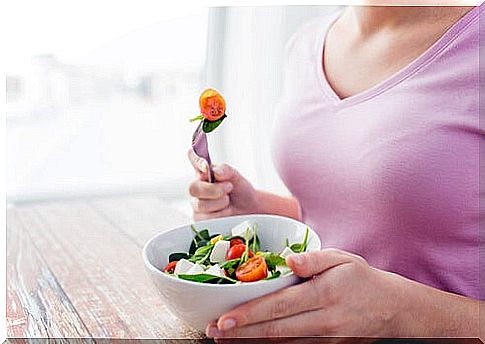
x=305 y=240
x=208 y=126
x=273 y=260
x=206 y=278
x=177 y=256
x=229 y=237
x=296 y=247
x=202 y=254
x=197 y=118
x=255 y=243
x=202 y=235
x=245 y=255
x=231 y=266
x=200 y=240
x=275 y=274
x=301 y=247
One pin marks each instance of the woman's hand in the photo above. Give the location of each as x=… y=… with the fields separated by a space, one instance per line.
x=344 y=296
x=230 y=194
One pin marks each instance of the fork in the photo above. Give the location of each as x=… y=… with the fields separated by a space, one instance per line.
x=201 y=148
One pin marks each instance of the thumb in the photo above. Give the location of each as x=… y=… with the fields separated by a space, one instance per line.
x=315 y=262
x=225 y=172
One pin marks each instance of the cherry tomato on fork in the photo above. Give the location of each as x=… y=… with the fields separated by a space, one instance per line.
x=170 y=268
x=253 y=270
x=237 y=251
x=212 y=105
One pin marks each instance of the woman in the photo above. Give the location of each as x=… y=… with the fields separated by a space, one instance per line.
x=378 y=141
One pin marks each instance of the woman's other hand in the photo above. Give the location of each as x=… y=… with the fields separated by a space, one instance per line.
x=344 y=296
x=230 y=194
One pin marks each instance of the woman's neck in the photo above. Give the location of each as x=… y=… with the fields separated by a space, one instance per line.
x=368 y=19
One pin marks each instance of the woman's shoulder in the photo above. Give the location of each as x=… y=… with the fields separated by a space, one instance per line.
x=308 y=32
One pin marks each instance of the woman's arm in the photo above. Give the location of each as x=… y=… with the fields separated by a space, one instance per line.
x=344 y=296
x=428 y=312
x=279 y=205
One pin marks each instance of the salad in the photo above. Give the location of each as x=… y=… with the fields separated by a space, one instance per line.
x=230 y=259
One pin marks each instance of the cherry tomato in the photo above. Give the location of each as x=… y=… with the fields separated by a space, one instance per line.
x=253 y=270
x=170 y=268
x=237 y=251
x=236 y=241
x=212 y=105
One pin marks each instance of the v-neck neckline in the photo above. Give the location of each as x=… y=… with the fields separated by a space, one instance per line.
x=407 y=71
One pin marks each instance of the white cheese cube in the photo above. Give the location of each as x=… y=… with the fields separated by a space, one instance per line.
x=240 y=230
x=215 y=270
x=196 y=269
x=219 y=252
x=283 y=269
x=286 y=252
x=182 y=266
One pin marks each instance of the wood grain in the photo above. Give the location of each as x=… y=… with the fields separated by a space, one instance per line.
x=36 y=304
x=139 y=217
x=97 y=261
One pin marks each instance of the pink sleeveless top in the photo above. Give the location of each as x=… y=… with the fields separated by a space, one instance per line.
x=392 y=173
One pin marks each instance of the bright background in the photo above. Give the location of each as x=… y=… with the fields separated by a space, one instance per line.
x=99 y=94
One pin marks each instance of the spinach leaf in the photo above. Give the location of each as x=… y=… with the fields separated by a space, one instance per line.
x=301 y=247
x=208 y=126
x=231 y=265
x=177 y=256
x=202 y=254
x=275 y=274
x=200 y=240
x=202 y=235
x=206 y=278
x=273 y=260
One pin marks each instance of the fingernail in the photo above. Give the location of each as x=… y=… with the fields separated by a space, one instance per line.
x=227 y=324
x=228 y=187
x=297 y=259
x=217 y=170
x=213 y=332
x=203 y=166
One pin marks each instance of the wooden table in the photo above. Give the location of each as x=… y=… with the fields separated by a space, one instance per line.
x=75 y=270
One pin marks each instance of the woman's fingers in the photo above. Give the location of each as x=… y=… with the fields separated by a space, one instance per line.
x=302 y=324
x=204 y=190
x=315 y=262
x=199 y=164
x=205 y=216
x=225 y=172
x=210 y=205
x=293 y=300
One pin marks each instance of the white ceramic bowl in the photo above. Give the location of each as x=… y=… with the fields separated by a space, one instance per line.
x=198 y=303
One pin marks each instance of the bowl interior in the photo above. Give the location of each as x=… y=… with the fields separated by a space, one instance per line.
x=272 y=231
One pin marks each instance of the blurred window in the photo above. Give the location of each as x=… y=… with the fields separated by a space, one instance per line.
x=97 y=105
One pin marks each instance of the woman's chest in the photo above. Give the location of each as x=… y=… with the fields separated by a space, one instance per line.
x=405 y=154
x=353 y=66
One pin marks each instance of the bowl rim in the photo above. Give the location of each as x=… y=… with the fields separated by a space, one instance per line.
x=241 y=285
